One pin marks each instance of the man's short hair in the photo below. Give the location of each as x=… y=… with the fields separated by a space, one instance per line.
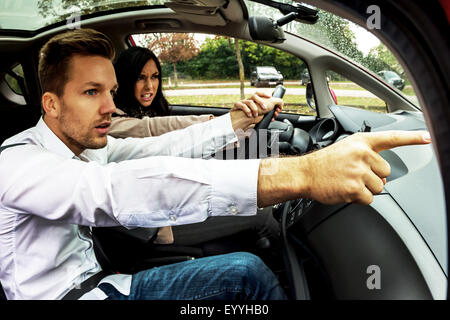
x=55 y=55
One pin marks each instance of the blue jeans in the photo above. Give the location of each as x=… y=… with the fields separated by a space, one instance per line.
x=234 y=276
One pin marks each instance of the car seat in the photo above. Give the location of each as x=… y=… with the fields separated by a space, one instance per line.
x=121 y=250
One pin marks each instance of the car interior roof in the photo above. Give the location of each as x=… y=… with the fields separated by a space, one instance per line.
x=118 y=26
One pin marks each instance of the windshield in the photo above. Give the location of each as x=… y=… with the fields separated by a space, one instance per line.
x=390 y=75
x=31 y=15
x=267 y=70
x=345 y=38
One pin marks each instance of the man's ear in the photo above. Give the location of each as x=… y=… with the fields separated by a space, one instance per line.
x=51 y=104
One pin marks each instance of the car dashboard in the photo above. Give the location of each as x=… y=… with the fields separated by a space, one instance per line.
x=402 y=233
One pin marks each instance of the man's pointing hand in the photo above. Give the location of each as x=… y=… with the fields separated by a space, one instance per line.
x=350 y=170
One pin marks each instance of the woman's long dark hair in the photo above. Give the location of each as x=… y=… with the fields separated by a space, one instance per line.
x=128 y=67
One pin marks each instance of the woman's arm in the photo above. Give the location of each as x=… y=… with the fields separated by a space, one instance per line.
x=124 y=127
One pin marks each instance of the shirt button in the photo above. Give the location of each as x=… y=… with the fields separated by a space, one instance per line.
x=172 y=218
x=233 y=210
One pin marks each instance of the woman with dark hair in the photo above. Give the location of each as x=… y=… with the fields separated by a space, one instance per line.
x=142 y=108
x=144 y=112
x=134 y=68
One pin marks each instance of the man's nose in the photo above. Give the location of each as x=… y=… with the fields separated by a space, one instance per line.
x=108 y=105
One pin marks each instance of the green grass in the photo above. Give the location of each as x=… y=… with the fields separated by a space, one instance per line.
x=408 y=91
x=292 y=103
x=166 y=87
x=226 y=101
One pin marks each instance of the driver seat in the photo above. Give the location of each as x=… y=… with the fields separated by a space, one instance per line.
x=121 y=250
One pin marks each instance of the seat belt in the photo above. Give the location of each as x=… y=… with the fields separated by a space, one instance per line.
x=86 y=285
x=10 y=145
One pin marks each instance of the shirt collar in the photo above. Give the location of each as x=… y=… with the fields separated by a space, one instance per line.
x=51 y=141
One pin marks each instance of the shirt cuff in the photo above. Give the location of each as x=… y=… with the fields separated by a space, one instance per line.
x=234 y=187
x=221 y=128
x=225 y=123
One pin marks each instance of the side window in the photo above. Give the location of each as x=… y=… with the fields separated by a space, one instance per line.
x=348 y=93
x=204 y=70
x=14 y=78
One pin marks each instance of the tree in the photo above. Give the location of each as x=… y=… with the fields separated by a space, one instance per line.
x=237 y=51
x=216 y=60
x=254 y=55
x=333 y=32
x=173 y=48
x=386 y=59
x=62 y=10
x=241 y=67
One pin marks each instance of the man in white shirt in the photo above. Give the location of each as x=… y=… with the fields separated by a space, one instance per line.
x=67 y=175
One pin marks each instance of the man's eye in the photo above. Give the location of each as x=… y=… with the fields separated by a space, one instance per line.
x=113 y=93
x=91 y=92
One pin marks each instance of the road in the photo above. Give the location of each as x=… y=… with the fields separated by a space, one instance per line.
x=251 y=90
x=198 y=91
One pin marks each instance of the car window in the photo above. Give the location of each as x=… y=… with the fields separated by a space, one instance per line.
x=267 y=70
x=14 y=78
x=348 y=93
x=350 y=40
x=203 y=70
x=390 y=75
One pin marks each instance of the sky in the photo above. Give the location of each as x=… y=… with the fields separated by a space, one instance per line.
x=364 y=38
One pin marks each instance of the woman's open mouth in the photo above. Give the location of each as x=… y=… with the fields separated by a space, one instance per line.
x=147 y=97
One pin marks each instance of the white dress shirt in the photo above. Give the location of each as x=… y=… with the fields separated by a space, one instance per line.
x=49 y=199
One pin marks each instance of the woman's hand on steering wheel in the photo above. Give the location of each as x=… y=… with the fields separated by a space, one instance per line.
x=258 y=105
x=270 y=116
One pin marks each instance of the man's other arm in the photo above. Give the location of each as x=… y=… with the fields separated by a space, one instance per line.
x=350 y=170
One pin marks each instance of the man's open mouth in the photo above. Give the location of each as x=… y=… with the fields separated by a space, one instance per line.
x=103 y=127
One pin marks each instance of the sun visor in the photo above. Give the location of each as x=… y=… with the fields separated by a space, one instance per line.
x=200 y=12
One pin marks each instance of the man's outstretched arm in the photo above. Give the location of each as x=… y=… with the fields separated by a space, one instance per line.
x=350 y=170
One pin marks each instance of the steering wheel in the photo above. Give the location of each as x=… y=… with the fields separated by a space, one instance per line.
x=264 y=123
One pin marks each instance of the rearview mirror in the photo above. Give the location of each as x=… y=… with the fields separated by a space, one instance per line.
x=265 y=29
